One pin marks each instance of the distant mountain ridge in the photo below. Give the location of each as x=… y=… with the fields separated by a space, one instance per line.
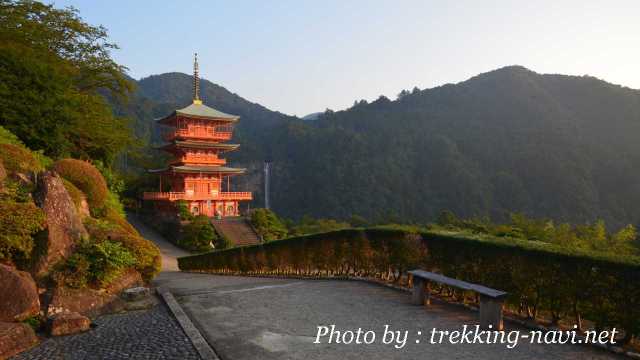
x=557 y=146
x=312 y=116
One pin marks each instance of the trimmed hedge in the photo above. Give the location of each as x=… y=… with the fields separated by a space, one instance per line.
x=540 y=277
x=75 y=193
x=86 y=178
x=18 y=159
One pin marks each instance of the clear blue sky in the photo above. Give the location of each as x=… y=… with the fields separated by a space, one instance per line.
x=299 y=57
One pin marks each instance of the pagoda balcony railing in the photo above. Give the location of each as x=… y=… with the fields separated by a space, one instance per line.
x=218 y=133
x=199 y=160
x=173 y=196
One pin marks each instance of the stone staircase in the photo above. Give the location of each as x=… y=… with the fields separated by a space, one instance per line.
x=236 y=230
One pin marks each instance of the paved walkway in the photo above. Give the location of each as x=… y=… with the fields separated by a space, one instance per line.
x=169 y=251
x=263 y=318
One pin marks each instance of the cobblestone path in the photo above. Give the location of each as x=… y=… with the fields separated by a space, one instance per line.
x=148 y=334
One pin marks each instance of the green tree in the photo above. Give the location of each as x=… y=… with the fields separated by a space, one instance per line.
x=624 y=241
x=358 y=221
x=309 y=225
x=268 y=225
x=199 y=234
x=447 y=218
x=52 y=66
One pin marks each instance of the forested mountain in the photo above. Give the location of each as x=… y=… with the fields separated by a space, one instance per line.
x=509 y=140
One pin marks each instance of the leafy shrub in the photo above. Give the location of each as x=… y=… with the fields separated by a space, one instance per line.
x=86 y=178
x=18 y=159
x=115 y=183
x=183 y=210
x=267 y=224
x=118 y=220
x=198 y=234
x=95 y=263
x=221 y=242
x=18 y=223
x=75 y=193
x=539 y=277
x=113 y=206
x=35 y=322
x=309 y=225
x=117 y=229
x=17 y=191
x=7 y=137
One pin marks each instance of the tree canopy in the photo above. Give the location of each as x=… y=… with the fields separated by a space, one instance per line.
x=52 y=67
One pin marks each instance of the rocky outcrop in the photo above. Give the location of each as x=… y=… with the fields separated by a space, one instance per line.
x=23 y=179
x=83 y=207
x=64 y=223
x=92 y=302
x=136 y=293
x=18 y=295
x=3 y=174
x=15 y=338
x=131 y=278
x=85 y=301
x=68 y=323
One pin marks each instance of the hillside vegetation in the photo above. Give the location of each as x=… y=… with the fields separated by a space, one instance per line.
x=510 y=140
x=112 y=244
x=58 y=141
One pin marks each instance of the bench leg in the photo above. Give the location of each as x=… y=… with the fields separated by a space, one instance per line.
x=417 y=293
x=491 y=313
x=427 y=295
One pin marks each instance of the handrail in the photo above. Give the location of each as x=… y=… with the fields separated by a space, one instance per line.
x=172 y=196
x=215 y=134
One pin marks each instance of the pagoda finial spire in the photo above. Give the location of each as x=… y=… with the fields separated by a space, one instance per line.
x=196 y=81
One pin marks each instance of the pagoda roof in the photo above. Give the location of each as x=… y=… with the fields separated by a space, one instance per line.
x=201 y=111
x=199 y=145
x=200 y=169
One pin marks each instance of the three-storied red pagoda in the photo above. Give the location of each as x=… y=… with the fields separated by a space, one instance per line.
x=198 y=174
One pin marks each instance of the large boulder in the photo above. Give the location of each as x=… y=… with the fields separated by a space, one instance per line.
x=136 y=293
x=91 y=302
x=18 y=295
x=64 y=223
x=68 y=323
x=86 y=301
x=130 y=278
x=15 y=338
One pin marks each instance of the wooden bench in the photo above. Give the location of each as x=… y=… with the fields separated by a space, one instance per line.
x=491 y=300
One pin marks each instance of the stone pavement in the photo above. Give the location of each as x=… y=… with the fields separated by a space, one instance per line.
x=148 y=334
x=263 y=318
